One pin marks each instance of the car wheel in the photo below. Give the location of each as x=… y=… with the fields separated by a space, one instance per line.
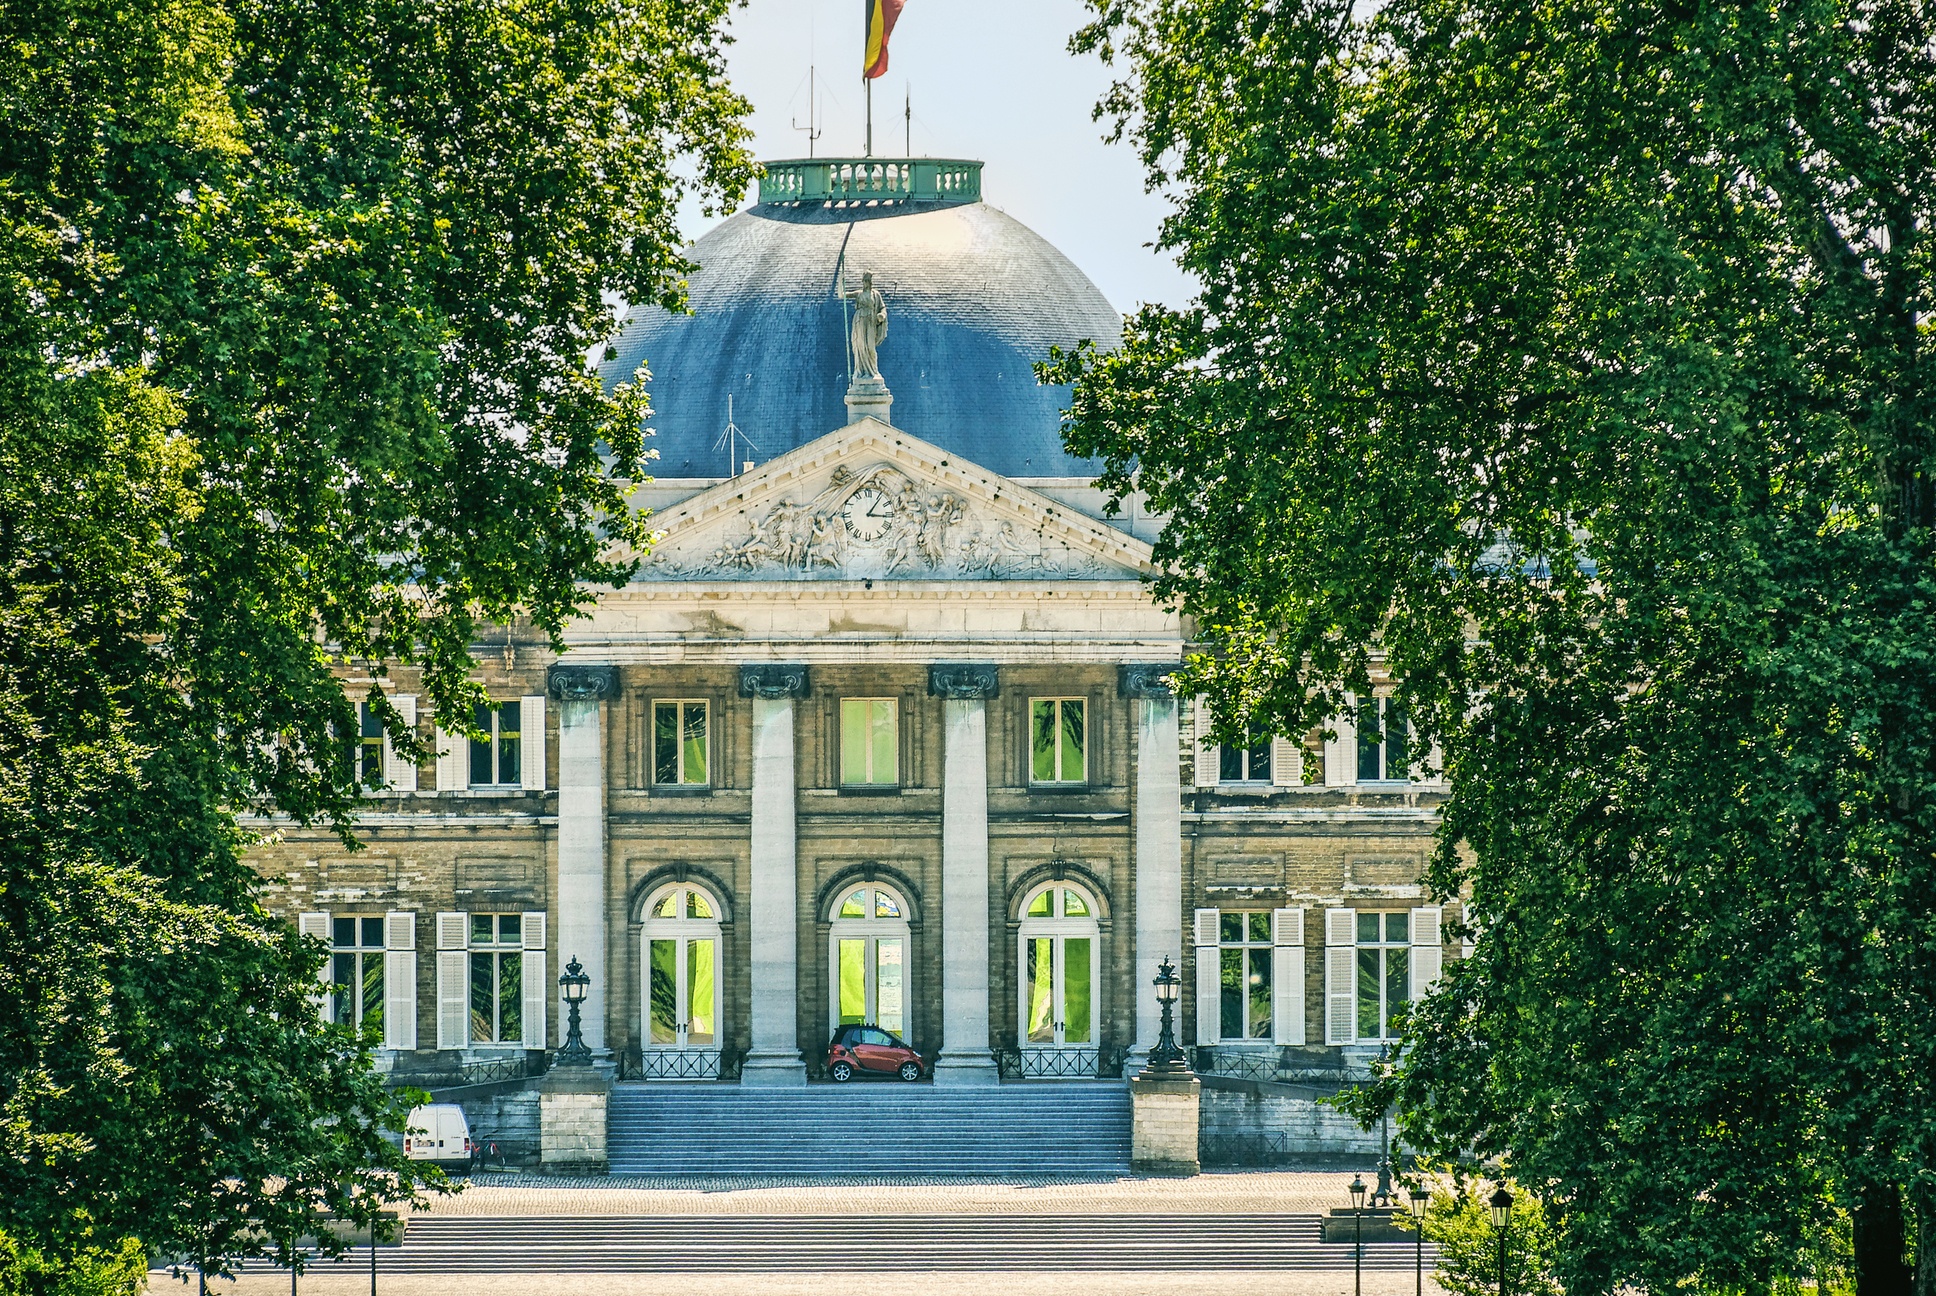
x=842 y=1072
x=910 y=1070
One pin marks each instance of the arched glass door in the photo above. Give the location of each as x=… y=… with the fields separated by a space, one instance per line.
x=868 y=947
x=1060 y=954
x=681 y=945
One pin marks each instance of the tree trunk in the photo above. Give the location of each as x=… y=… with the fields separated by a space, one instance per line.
x=1878 y=1237
x=1926 y=1244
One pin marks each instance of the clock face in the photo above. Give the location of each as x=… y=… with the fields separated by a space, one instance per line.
x=867 y=512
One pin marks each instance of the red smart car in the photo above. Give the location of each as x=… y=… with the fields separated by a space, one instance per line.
x=869 y=1050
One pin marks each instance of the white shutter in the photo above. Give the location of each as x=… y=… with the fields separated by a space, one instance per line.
x=1287 y=763
x=453 y=761
x=1428 y=952
x=1186 y=734
x=453 y=981
x=400 y=999
x=1209 y=977
x=1434 y=767
x=1209 y=760
x=537 y=986
x=317 y=925
x=1340 y=976
x=1341 y=753
x=533 y=927
x=1287 y=976
x=531 y=740
x=401 y=775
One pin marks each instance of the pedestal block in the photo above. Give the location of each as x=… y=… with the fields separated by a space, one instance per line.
x=1163 y=1115
x=571 y=1120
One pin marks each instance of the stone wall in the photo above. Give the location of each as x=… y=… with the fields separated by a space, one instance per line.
x=1278 y=1126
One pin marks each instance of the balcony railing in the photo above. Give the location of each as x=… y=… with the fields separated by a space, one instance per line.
x=871 y=181
x=1059 y=1063
x=1270 y=1065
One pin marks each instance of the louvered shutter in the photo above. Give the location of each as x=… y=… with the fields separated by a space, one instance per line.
x=1287 y=763
x=1209 y=973
x=1341 y=752
x=536 y=981
x=1428 y=949
x=453 y=981
x=1287 y=976
x=401 y=775
x=1434 y=767
x=453 y=761
x=1340 y=976
x=400 y=980
x=317 y=925
x=1209 y=759
x=1186 y=743
x=531 y=741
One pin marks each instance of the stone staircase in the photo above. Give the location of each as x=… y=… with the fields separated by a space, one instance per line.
x=873 y=1128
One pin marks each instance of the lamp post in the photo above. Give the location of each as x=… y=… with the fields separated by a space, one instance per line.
x=573 y=984
x=1166 y=1059
x=1416 y=1199
x=1501 y=1204
x=1357 y=1191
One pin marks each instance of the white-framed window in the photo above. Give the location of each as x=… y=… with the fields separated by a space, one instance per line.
x=497 y=978
x=870 y=742
x=1061 y=964
x=356 y=967
x=1384 y=741
x=1244 y=949
x=1376 y=963
x=868 y=947
x=683 y=997
x=1058 y=740
x=1250 y=975
x=496 y=758
x=367 y=755
x=1250 y=763
x=1384 y=971
x=680 y=751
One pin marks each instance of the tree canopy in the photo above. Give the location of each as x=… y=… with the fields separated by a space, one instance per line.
x=296 y=301
x=1570 y=364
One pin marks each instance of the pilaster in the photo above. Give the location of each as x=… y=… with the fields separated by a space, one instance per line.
x=965 y=688
x=581 y=692
x=1158 y=820
x=773 y=1056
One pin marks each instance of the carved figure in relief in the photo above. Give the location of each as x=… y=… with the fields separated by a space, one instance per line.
x=990 y=551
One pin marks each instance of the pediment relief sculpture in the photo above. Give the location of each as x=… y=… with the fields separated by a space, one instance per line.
x=878 y=523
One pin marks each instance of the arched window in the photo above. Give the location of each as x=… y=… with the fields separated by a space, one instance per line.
x=868 y=949
x=681 y=940
x=1060 y=961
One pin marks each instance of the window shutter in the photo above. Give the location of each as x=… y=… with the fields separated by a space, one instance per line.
x=537 y=987
x=453 y=759
x=531 y=740
x=1186 y=739
x=453 y=981
x=1209 y=759
x=534 y=930
x=1287 y=763
x=1341 y=753
x=1287 y=976
x=1209 y=972
x=401 y=775
x=1340 y=976
x=317 y=925
x=1428 y=952
x=400 y=981
x=1435 y=767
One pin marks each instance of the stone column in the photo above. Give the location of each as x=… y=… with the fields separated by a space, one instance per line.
x=1165 y=1117
x=581 y=692
x=1159 y=838
x=572 y=1103
x=965 y=689
x=773 y=1054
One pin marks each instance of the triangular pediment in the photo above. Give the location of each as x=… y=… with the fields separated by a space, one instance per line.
x=870 y=502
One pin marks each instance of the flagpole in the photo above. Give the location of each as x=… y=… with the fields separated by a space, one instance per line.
x=869 y=84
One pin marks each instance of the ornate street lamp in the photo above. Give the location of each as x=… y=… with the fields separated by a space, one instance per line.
x=1166 y=1059
x=1357 y=1191
x=574 y=985
x=1416 y=1199
x=1501 y=1203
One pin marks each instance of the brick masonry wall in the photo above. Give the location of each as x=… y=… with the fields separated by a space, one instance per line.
x=1308 y=1128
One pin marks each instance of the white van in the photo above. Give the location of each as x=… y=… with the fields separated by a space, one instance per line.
x=439 y=1133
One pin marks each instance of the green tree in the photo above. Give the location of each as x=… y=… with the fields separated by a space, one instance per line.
x=1458 y=1221
x=1570 y=362
x=295 y=309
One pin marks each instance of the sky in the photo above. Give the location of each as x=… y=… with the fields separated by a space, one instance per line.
x=988 y=79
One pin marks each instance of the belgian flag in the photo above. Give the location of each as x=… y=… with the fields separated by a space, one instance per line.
x=880 y=25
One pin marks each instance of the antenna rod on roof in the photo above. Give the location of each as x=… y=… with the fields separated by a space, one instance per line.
x=907 y=119
x=812 y=133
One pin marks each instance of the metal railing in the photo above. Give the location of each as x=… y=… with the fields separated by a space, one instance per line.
x=514 y=1066
x=871 y=180
x=1251 y=1150
x=680 y=1064
x=1269 y=1065
x=1060 y=1063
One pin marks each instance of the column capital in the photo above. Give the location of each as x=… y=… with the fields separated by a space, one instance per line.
x=963 y=681
x=772 y=680
x=1146 y=679
x=569 y=682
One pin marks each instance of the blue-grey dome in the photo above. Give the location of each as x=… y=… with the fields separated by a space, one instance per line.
x=974 y=298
